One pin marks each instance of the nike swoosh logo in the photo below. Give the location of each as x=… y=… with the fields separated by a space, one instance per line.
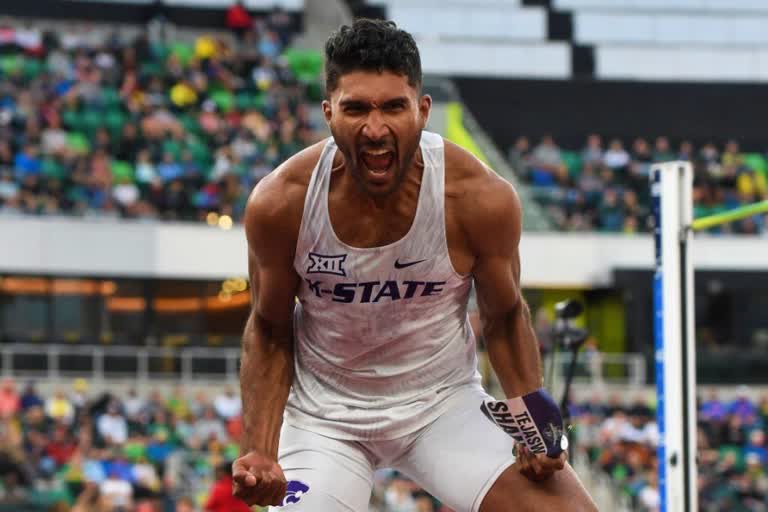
x=405 y=265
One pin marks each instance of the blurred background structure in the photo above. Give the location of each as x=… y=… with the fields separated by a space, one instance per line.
x=132 y=131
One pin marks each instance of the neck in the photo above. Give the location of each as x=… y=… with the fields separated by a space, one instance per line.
x=384 y=203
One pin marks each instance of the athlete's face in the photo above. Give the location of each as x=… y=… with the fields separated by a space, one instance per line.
x=376 y=120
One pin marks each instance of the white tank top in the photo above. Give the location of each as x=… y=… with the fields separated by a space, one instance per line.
x=382 y=335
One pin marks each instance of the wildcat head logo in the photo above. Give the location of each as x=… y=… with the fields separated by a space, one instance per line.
x=294 y=491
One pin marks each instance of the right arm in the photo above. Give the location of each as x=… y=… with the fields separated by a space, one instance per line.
x=266 y=370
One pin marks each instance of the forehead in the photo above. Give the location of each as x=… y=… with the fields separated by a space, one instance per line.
x=373 y=86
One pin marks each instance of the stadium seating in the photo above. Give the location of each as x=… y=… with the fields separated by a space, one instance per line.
x=605 y=186
x=678 y=40
x=467 y=38
x=149 y=129
x=620 y=439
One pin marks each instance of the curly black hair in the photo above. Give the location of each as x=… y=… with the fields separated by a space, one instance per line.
x=371 y=45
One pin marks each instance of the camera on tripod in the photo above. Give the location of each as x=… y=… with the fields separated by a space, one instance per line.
x=566 y=334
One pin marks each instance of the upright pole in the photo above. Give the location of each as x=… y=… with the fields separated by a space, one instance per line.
x=675 y=354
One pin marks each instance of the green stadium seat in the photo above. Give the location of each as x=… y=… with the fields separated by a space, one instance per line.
x=122 y=170
x=223 y=99
x=134 y=451
x=78 y=142
x=91 y=120
x=111 y=97
x=151 y=68
x=32 y=68
x=173 y=147
x=114 y=120
x=244 y=100
x=70 y=119
x=53 y=169
x=757 y=163
x=306 y=65
x=160 y=51
x=10 y=64
x=201 y=154
x=184 y=51
x=572 y=161
x=190 y=124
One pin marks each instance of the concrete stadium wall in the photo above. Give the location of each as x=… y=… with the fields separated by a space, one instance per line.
x=84 y=247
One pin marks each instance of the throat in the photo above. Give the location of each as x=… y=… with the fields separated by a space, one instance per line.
x=364 y=221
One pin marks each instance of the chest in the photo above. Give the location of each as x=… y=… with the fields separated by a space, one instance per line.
x=366 y=228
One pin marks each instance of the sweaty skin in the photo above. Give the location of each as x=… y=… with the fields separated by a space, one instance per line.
x=377 y=112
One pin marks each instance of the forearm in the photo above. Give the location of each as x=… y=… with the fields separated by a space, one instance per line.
x=514 y=350
x=266 y=374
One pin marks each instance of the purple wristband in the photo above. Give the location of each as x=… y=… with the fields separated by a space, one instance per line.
x=533 y=420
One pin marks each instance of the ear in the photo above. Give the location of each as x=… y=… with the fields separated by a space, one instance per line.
x=327 y=111
x=425 y=105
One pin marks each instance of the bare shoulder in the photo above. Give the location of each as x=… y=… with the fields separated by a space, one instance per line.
x=276 y=204
x=486 y=205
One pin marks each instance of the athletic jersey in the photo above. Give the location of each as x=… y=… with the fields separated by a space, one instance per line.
x=382 y=336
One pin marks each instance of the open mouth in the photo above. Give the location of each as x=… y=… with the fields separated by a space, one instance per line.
x=378 y=162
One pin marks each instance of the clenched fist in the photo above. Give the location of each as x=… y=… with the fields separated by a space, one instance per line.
x=258 y=480
x=538 y=467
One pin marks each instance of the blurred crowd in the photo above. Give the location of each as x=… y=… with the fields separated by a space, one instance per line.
x=105 y=123
x=605 y=185
x=77 y=451
x=621 y=440
x=81 y=452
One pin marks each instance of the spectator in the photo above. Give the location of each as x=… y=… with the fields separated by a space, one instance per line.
x=59 y=408
x=185 y=504
x=61 y=447
x=79 y=395
x=713 y=409
x=649 y=497
x=112 y=427
x=546 y=162
x=592 y=153
x=228 y=404
x=133 y=404
x=519 y=156
x=611 y=214
x=209 y=427
x=220 y=498
x=616 y=157
x=30 y=398
x=10 y=401
x=9 y=189
x=126 y=193
x=662 y=151
x=238 y=19
x=91 y=499
x=119 y=492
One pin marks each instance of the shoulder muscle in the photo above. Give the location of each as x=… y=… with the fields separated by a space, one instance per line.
x=489 y=207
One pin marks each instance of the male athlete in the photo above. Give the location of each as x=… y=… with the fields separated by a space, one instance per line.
x=380 y=232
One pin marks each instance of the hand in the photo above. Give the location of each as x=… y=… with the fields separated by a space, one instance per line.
x=258 y=480
x=538 y=466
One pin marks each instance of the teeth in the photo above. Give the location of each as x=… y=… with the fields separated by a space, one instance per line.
x=378 y=152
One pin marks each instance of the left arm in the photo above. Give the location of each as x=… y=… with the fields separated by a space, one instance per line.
x=493 y=225
x=494 y=233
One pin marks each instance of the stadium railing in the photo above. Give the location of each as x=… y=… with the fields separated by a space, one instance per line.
x=195 y=364
x=99 y=364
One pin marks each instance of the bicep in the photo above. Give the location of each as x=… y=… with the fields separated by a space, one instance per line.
x=271 y=249
x=497 y=258
x=274 y=284
x=497 y=281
